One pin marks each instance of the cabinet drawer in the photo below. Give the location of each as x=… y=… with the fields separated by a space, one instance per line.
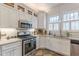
x=17 y=43
x=11 y=45
x=8 y=46
x=8 y=52
x=12 y=51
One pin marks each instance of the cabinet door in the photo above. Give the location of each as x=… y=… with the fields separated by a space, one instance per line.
x=57 y=45
x=21 y=15
x=8 y=17
x=42 y=20
x=65 y=46
x=37 y=43
x=54 y=44
x=49 y=43
x=34 y=21
x=29 y=17
x=13 y=49
x=4 y=16
x=8 y=52
x=42 y=42
x=18 y=51
x=13 y=20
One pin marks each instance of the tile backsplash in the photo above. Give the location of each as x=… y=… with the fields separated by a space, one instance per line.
x=8 y=32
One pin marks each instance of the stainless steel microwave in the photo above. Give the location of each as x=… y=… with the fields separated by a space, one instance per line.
x=24 y=24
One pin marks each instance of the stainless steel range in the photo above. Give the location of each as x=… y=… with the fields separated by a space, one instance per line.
x=28 y=43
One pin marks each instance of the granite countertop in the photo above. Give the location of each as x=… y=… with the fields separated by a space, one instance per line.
x=5 y=41
x=58 y=37
x=73 y=38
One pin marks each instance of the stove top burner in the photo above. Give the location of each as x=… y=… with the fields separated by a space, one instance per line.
x=26 y=37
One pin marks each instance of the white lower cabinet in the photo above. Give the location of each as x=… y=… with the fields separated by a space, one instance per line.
x=8 y=52
x=65 y=46
x=34 y=22
x=37 y=43
x=18 y=51
x=61 y=46
x=42 y=42
x=12 y=49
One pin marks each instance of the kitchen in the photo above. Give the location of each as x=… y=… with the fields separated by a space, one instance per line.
x=51 y=29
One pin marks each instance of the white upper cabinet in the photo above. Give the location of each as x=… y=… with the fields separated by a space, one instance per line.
x=8 y=17
x=30 y=14
x=42 y=19
x=22 y=15
x=29 y=17
x=34 y=22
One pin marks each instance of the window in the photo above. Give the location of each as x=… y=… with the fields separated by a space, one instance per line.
x=54 y=19
x=75 y=25
x=66 y=26
x=56 y=27
x=54 y=23
x=72 y=21
x=51 y=20
x=71 y=16
x=50 y=27
x=65 y=17
x=76 y=15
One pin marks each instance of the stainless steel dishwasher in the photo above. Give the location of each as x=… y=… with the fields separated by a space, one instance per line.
x=74 y=47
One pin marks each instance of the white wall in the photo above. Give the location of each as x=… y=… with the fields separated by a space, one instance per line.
x=66 y=7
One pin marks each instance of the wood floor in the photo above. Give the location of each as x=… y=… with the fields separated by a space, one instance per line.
x=44 y=52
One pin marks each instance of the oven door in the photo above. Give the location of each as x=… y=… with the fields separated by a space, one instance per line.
x=27 y=47
x=33 y=42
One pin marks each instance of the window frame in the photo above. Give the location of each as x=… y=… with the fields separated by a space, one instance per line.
x=61 y=18
x=71 y=20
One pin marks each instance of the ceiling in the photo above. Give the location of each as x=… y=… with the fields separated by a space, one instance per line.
x=41 y=6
